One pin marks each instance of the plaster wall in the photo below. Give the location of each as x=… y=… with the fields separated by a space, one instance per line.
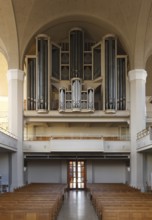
x=56 y=171
x=4 y=167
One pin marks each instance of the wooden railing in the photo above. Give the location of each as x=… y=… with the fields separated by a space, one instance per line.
x=104 y=138
x=144 y=133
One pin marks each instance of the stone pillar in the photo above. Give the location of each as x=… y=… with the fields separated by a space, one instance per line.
x=15 y=115
x=137 y=79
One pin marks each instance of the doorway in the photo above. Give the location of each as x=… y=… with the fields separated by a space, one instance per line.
x=76 y=174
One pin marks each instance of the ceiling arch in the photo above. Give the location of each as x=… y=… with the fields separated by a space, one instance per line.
x=140 y=55
x=129 y=20
x=94 y=27
x=8 y=34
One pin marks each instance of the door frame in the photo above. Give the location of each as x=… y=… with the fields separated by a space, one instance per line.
x=68 y=174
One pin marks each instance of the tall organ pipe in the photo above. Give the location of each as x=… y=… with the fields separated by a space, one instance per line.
x=46 y=75
x=76 y=53
x=42 y=74
x=90 y=99
x=118 y=84
x=31 y=84
x=121 y=84
x=62 y=99
x=32 y=88
x=76 y=93
x=110 y=73
x=124 y=85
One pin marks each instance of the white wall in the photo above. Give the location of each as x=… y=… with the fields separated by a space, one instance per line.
x=4 y=111
x=89 y=171
x=46 y=171
x=56 y=171
x=4 y=167
x=63 y=171
x=148 y=169
x=107 y=171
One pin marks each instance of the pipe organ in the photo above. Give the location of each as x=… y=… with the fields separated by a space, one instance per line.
x=76 y=68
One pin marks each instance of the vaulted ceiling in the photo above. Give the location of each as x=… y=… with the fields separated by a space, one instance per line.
x=130 y=20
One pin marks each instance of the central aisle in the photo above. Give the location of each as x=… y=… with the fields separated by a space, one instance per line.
x=77 y=206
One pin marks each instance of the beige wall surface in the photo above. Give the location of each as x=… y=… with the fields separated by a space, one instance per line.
x=3 y=76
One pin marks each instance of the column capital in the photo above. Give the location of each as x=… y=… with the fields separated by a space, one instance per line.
x=15 y=74
x=137 y=74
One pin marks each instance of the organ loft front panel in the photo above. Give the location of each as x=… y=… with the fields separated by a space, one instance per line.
x=77 y=74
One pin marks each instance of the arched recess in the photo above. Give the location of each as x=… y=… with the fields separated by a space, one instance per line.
x=8 y=34
x=59 y=28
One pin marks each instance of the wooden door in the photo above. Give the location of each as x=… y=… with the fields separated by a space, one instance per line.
x=76 y=174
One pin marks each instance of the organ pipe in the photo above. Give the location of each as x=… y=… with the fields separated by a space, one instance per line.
x=76 y=99
x=90 y=99
x=76 y=93
x=62 y=99
x=43 y=79
x=31 y=83
x=76 y=53
x=110 y=73
x=46 y=75
x=121 y=84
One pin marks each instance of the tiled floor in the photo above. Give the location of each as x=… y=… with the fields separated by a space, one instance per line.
x=77 y=206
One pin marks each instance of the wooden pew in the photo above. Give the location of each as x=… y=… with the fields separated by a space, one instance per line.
x=120 y=201
x=32 y=202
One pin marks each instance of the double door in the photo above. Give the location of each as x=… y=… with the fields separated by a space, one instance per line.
x=76 y=174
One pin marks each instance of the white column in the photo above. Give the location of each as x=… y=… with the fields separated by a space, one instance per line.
x=137 y=123
x=15 y=115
